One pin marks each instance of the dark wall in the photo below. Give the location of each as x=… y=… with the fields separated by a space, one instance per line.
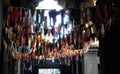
x=25 y=3
x=0 y=37
x=111 y=44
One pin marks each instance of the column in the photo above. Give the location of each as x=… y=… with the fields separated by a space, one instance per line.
x=91 y=62
x=77 y=65
x=19 y=66
x=0 y=23
x=1 y=58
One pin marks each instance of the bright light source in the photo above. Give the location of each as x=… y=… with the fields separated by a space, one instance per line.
x=49 y=4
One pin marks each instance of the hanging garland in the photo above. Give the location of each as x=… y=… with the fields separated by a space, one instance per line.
x=55 y=53
x=24 y=44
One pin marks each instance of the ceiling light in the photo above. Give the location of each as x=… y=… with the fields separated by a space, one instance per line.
x=49 y=4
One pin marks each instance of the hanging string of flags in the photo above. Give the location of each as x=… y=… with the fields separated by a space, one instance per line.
x=36 y=33
x=57 y=54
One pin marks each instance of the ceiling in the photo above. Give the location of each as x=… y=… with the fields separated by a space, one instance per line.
x=25 y=3
x=64 y=3
x=34 y=3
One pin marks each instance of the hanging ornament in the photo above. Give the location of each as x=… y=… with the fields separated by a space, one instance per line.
x=77 y=59
x=32 y=12
x=62 y=16
x=68 y=61
x=75 y=38
x=79 y=42
x=58 y=45
x=30 y=19
x=8 y=20
x=52 y=14
x=23 y=39
x=41 y=17
x=18 y=15
x=23 y=17
x=88 y=32
x=45 y=25
x=13 y=16
x=70 y=38
x=102 y=30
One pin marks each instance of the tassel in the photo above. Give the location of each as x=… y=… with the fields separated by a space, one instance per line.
x=62 y=17
x=102 y=30
x=23 y=39
x=32 y=12
x=88 y=32
x=12 y=15
x=92 y=30
x=58 y=45
x=68 y=61
x=45 y=22
x=77 y=58
x=26 y=19
x=70 y=38
x=79 y=42
x=52 y=14
x=37 y=15
x=18 y=16
x=23 y=15
x=30 y=18
x=41 y=17
x=75 y=38
x=71 y=58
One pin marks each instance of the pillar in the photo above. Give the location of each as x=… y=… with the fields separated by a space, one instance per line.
x=77 y=70
x=1 y=35
x=0 y=23
x=91 y=62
